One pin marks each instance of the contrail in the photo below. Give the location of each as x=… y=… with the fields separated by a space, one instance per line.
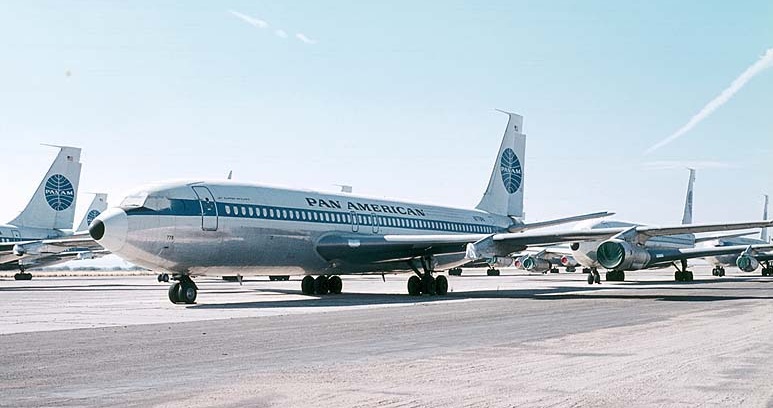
x=763 y=63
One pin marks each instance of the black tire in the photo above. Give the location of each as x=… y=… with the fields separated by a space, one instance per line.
x=597 y=278
x=187 y=293
x=689 y=276
x=335 y=284
x=591 y=278
x=230 y=278
x=492 y=272
x=23 y=276
x=320 y=285
x=678 y=276
x=174 y=290
x=554 y=270
x=441 y=285
x=455 y=272
x=307 y=285
x=414 y=286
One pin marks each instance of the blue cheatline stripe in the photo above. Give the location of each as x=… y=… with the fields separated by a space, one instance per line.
x=182 y=207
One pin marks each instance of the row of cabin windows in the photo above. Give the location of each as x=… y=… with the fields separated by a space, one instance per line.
x=345 y=218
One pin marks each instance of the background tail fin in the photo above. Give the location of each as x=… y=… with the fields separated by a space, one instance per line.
x=764 y=233
x=504 y=194
x=687 y=216
x=98 y=204
x=53 y=204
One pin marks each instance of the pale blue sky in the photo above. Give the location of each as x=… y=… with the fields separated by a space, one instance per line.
x=394 y=98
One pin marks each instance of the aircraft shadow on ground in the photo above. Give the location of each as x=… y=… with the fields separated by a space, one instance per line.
x=627 y=291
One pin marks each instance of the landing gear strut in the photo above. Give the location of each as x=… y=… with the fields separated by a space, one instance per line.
x=321 y=285
x=593 y=276
x=424 y=282
x=718 y=271
x=183 y=291
x=682 y=274
x=767 y=269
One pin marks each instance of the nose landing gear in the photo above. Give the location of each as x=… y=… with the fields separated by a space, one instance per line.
x=183 y=291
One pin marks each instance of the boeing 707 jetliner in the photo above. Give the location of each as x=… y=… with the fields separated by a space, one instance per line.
x=195 y=228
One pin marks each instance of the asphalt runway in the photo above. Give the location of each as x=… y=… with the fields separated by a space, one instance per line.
x=513 y=340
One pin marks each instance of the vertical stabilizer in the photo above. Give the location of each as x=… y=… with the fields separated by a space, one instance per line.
x=97 y=206
x=687 y=217
x=53 y=204
x=764 y=233
x=504 y=195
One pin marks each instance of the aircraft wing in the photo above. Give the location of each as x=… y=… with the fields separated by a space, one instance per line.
x=559 y=221
x=666 y=256
x=364 y=249
x=53 y=246
x=640 y=234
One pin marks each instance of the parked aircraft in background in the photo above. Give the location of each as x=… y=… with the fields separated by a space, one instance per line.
x=47 y=219
x=746 y=265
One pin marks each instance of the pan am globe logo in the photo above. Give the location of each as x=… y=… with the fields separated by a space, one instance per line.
x=91 y=215
x=510 y=167
x=59 y=192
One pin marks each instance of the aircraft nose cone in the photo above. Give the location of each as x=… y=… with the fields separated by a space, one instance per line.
x=110 y=229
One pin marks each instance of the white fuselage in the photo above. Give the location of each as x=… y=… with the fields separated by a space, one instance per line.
x=585 y=254
x=221 y=227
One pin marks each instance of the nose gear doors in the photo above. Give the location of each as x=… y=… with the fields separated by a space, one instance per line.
x=208 y=208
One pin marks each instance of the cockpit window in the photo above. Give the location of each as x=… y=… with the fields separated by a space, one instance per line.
x=156 y=203
x=134 y=200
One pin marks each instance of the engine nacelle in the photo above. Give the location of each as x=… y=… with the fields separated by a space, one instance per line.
x=568 y=260
x=86 y=255
x=533 y=264
x=747 y=263
x=621 y=255
x=30 y=248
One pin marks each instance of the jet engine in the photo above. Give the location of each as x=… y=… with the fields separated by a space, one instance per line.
x=534 y=264
x=621 y=255
x=747 y=263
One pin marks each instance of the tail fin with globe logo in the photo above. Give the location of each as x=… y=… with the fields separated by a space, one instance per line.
x=97 y=206
x=504 y=195
x=53 y=204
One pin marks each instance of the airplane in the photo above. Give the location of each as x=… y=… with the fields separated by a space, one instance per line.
x=196 y=228
x=37 y=254
x=635 y=246
x=748 y=265
x=49 y=213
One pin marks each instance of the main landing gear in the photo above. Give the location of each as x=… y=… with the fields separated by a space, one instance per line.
x=22 y=276
x=492 y=272
x=682 y=274
x=321 y=285
x=593 y=276
x=767 y=269
x=163 y=277
x=718 y=271
x=423 y=283
x=615 y=276
x=183 y=291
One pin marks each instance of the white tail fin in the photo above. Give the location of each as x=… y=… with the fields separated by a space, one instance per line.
x=504 y=195
x=687 y=217
x=98 y=204
x=764 y=233
x=53 y=204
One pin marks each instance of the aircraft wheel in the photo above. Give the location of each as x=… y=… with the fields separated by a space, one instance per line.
x=492 y=272
x=307 y=285
x=554 y=270
x=455 y=271
x=689 y=276
x=678 y=276
x=23 y=276
x=597 y=278
x=414 y=286
x=320 y=285
x=585 y=270
x=441 y=285
x=187 y=292
x=335 y=284
x=591 y=278
x=174 y=290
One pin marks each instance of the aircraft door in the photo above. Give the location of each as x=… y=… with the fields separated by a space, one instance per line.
x=208 y=208
x=16 y=235
x=375 y=222
x=355 y=223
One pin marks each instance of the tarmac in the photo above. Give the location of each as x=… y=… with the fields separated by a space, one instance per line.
x=515 y=340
